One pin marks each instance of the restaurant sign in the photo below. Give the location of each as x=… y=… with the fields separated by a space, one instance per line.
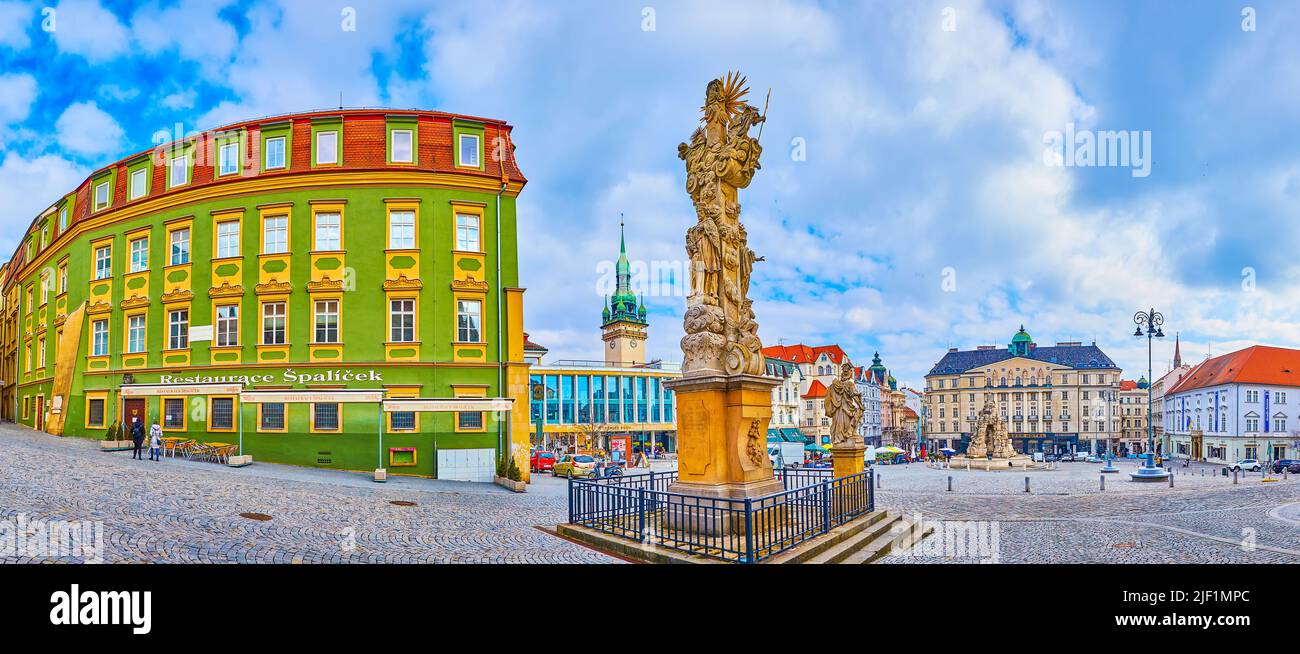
x=287 y=376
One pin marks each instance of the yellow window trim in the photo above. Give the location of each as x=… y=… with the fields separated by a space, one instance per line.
x=481 y=298
x=274 y=211
x=471 y=209
x=312 y=418
x=401 y=204
x=103 y=397
x=239 y=322
x=126 y=331
x=332 y=206
x=469 y=390
x=162 y=414
x=401 y=391
x=261 y=319
x=282 y=430
x=313 y=299
x=220 y=218
x=234 y=415
x=414 y=296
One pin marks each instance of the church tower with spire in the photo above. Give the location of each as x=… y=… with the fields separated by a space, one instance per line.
x=1178 y=354
x=623 y=320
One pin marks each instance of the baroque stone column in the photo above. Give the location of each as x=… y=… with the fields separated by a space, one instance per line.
x=724 y=399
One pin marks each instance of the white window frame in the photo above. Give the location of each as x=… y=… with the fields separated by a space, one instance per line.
x=283 y=152
x=465 y=328
x=178 y=331
x=325 y=309
x=228 y=155
x=184 y=169
x=133 y=260
x=179 y=246
x=328 y=233
x=139 y=175
x=281 y=228
x=225 y=239
x=98 y=339
x=132 y=328
x=282 y=316
x=104 y=263
x=403 y=239
x=462 y=230
x=410 y=145
x=227 y=323
x=334 y=147
x=404 y=313
x=107 y=197
x=461 y=150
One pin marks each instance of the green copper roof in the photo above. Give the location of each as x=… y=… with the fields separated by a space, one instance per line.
x=1022 y=336
x=623 y=305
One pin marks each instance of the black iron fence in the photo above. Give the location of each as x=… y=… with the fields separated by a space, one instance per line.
x=640 y=507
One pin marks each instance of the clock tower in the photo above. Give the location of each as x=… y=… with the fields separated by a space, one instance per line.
x=623 y=320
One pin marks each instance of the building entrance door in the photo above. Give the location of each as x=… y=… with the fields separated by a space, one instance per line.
x=40 y=413
x=133 y=407
x=1196 y=447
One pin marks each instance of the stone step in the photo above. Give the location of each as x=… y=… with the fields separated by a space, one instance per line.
x=803 y=553
x=838 y=552
x=899 y=537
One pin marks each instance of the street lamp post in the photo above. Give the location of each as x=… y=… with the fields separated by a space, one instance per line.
x=1110 y=455
x=1152 y=320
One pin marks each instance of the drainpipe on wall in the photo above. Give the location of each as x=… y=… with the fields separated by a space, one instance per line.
x=501 y=364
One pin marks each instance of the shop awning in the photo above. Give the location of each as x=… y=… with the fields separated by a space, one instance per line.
x=774 y=436
x=308 y=395
x=793 y=435
x=448 y=404
x=150 y=390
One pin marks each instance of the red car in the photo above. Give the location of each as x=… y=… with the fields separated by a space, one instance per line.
x=541 y=461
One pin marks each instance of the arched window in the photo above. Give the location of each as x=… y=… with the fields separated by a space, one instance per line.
x=1004 y=381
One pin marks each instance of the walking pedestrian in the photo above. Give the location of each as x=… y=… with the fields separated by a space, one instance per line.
x=137 y=438
x=155 y=442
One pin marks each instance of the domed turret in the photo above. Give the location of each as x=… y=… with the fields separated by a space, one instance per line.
x=1021 y=343
x=1142 y=382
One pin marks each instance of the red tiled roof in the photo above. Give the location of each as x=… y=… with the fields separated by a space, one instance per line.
x=816 y=389
x=800 y=353
x=530 y=345
x=1257 y=364
x=1127 y=385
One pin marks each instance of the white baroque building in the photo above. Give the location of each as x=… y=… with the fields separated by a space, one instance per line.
x=1243 y=405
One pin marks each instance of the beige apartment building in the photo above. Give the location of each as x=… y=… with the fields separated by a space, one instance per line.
x=1054 y=399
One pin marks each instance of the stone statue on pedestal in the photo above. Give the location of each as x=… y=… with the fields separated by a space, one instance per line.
x=721 y=331
x=844 y=407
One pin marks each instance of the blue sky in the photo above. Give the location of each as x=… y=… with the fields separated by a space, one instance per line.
x=922 y=129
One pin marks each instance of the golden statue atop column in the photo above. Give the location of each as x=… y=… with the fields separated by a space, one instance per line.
x=723 y=397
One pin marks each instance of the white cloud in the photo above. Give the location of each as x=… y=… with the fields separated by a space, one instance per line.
x=193 y=29
x=30 y=185
x=179 y=100
x=117 y=93
x=17 y=93
x=15 y=19
x=87 y=130
x=86 y=28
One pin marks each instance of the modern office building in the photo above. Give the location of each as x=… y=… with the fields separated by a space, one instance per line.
x=281 y=283
x=581 y=404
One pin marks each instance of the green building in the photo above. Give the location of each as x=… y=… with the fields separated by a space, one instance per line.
x=300 y=286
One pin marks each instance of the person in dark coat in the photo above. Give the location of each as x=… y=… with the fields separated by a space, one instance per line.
x=137 y=437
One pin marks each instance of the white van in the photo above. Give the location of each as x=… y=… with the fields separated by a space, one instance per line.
x=785 y=455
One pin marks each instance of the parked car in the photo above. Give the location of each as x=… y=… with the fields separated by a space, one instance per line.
x=541 y=461
x=1050 y=458
x=1294 y=468
x=575 y=465
x=1066 y=457
x=1095 y=459
x=1248 y=465
x=1284 y=464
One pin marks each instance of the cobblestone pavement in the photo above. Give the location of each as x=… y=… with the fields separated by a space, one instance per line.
x=189 y=512
x=1067 y=518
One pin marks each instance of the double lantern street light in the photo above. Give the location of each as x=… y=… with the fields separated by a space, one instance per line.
x=1152 y=320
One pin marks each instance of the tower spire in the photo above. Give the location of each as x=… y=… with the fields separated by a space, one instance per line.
x=1178 y=355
